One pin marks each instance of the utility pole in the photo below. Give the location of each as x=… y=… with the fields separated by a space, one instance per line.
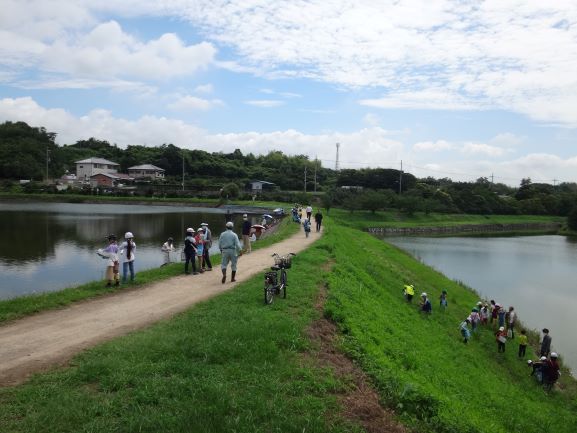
x=47 y=161
x=305 y=178
x=316 y=162
x=555 y=182
x=183 y=170
x=401 y=178
x=337 y=160
x=492 y=178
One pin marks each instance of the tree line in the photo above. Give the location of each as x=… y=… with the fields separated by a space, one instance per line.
x=28 y=152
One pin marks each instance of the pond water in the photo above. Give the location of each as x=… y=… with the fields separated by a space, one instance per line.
x=535 y=274
x=49 y=246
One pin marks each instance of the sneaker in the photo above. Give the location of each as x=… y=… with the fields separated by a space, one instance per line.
x=209 y=269
x=195 y=273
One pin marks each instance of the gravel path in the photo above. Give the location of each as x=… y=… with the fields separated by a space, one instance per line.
x=52 y=338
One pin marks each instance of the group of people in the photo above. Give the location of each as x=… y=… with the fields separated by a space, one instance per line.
x=114 y=254
x=196 y=249
x=297 y=216
x=503 y=322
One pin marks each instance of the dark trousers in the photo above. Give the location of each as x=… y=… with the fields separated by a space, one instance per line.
x=206 y=257
x=522 y=349
x=190 y=258
x=318 y=226
x=501 y=347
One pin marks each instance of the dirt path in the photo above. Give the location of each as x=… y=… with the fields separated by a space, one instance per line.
x=51 y=338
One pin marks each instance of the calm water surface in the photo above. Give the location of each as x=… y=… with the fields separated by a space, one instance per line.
x=49 y=246
x=535 y=274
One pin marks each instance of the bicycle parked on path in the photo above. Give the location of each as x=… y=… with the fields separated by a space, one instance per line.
x=273 y=285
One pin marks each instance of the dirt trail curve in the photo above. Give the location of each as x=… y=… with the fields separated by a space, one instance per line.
x=51 y=338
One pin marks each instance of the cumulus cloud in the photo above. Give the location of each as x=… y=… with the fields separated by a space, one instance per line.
x=434 y=146
x=204 y=88
x=189 y=102
x=483 y=149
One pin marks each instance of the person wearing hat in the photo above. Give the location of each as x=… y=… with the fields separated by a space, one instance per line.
x=190 y=251
x=246 y=227
x=127 y=249
x=207 y=244
x=229 y=246
x=551 y=371
x=501 y=337
x=475 y=318
x=167 y=248
x=538 y=368
x=426 y=306
x=111 y=254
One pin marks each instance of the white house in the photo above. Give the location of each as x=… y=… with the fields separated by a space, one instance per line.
x=87 y=168
x=257 y=186
x=146 y=170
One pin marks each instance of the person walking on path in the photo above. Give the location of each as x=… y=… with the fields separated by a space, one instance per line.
x=307 y=227
x=501 y=337
x=319 y=220
x=207 y=245
x=309 y=211
x=246 y=227
x=190 y=251
x=127 y=249
x=522 y=344
x=111 y=253
x=546 y=343
x=229 y=247
x=167 y=248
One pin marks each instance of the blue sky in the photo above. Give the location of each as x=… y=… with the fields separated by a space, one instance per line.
x=452 y=88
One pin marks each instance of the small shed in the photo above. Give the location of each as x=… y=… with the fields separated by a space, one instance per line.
x=257 y=186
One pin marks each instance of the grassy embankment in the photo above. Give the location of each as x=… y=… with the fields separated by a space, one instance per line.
x=26 y=305
x=231 y=364
x=364 y=220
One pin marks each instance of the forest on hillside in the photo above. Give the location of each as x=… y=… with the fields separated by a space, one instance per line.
x=28 y=152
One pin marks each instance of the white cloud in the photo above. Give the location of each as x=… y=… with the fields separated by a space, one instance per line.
x=189 y=102
x=371 y=119
x=204 y=89
x=265 y=103
x=483 y=149
x=506 y=139
x=434 y=146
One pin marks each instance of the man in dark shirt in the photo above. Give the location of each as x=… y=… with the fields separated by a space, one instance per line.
x=319 y=220
x=246 y=226
x=546 y=343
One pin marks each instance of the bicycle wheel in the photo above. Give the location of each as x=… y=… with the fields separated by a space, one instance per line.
x=283 y=284
x=268 y=294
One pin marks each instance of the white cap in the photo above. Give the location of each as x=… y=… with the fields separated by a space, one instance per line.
x=204 y=224
x=424 y=294
x=245 y=216
x=543 y=358
x=190 y=230
x=554 y=355
x=128 y=235
x=529 y=362
x=502 y=328
x=229 y=225
x=200 y=229
x=479 y=303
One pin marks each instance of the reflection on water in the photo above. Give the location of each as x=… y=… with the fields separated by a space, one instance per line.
x=535 y=274
x=49 y=246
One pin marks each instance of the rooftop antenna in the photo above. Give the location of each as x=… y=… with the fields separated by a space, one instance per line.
x=337 y=160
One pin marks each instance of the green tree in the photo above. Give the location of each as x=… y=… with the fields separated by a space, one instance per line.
x=572 y=219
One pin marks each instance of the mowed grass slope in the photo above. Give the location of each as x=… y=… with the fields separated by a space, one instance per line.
x=419 y=363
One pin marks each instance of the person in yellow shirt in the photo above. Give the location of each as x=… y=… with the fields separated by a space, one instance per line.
x=409 y=292
x=522 y=344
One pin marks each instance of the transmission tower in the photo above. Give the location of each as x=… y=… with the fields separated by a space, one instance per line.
x=337 y=160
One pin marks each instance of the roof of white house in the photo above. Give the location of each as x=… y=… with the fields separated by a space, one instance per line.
x=113 y=176
x=146 y=167
x=96 y=161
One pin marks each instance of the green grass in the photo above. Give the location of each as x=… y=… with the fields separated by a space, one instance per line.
x=232 y=364
x=418 y=363
x=364 y=219
x=227 y=365
x=19 y=307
